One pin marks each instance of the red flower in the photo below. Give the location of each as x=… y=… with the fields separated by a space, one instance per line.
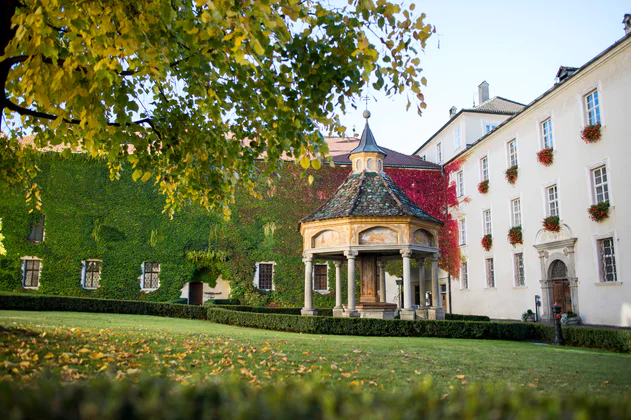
x=515 y=235
x=545 y=156
x=487 y=242
x=552 y=224
x=511 y=174
x=591 y=133
x=599 y=212
x=483 y=187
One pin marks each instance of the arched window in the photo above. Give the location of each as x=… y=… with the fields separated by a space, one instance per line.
x=558 y=270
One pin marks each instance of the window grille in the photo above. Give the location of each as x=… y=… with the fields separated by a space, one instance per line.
x=519 y=270
x=92 y=276
x=558 y=270
x=151 y=274
x=463 y=231
x=464 y=275
x=37 y=230
x=607 y=256
x=266 y=274
x=31 y=273
x=488 y=227
x=320 y=277
x=490 y=273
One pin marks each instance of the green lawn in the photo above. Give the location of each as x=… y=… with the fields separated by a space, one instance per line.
x=73 y=346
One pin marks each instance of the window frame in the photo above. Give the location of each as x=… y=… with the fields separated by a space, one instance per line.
x=488 y=127
x=257 y=274
x=313 y=277
x=484 y=168
x=512 y=157
x=462 y=231
x=556 y=200
x=459 y=183
x=547 y=135
x=516 y=271
x=596 y=107
x=486 y=222
x=489 y=275
x=457 y=139
x=40 y=223
x=594 y=185
x=464 y=275
x=439 y=152
x=25 y=270
x=84 y=273
x=513 y=219
x=143 y=280
x=599 y=258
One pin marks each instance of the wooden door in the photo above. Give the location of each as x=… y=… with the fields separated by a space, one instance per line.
x=368 y=279
x=195 y=293
x=561 y=295
x=444 y=296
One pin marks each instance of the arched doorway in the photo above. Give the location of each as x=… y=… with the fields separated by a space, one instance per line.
x=195 y=293
x=560 y=285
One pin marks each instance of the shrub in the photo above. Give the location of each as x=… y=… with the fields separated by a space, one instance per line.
x=270 y=310
x=458 y=317
x=72 y=304
x=222 y=302
x=158 y=399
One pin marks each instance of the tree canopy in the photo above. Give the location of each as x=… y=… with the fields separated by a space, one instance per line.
x=191 y=93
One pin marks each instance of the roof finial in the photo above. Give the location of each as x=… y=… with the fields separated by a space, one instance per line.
x=366 y=112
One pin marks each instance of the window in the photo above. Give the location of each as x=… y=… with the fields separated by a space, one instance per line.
x=457 y=141
x=459 y=184
x=490 y=273
x=484 y=168
x=439 y=153
x=150 y=275
x=463 y=231
x=264 y=278
x=553 y=200
x=519 y=270
x=601 y=186
x=515 y=206
x=593 y=108
x=546 y=132
x=321 y=277
x=91 y=274
x=488 y=128
x=607 y=259
x=31 y=269
x=512 y=153
x=424 y=157
x=464 y=275
x=486 y=217
x=37 y=230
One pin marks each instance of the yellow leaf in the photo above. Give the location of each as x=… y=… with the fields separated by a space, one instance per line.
x=96 y=356
x=84 y=350
x=146 y=177
x=305 y=162
x=316 y=164
x=49 y=356
x=310 y=179
x=137 y=174
x=460 y=376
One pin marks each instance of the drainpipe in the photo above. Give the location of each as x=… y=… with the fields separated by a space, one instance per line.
x=446 y=217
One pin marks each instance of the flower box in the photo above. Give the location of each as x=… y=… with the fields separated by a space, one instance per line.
x=551 y=224
x=487 y=242
x=515 y=236
x=591 y=133
x=483 y=187
x=545 y=156
x=599 y=212
x=511 y=174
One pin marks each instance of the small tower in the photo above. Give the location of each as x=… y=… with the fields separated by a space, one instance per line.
x=367 y=156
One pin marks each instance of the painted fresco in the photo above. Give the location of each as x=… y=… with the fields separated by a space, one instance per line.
x=326 y=239
x=422 y=237
x=378 y=235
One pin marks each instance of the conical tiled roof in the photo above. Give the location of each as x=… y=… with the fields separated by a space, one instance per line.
x=367 y=142
x=369 y=194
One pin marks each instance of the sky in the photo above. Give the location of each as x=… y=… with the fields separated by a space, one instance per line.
x=517 y=47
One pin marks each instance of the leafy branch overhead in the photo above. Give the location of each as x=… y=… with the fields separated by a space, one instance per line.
x=191 y=93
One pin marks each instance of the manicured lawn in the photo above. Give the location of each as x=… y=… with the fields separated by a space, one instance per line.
x=73 y=346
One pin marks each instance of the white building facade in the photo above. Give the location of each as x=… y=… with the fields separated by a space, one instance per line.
x=583 y=266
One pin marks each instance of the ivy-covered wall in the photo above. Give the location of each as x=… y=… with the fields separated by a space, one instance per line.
x=121 y=222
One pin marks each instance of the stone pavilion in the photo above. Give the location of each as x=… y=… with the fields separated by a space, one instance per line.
x=371 y=220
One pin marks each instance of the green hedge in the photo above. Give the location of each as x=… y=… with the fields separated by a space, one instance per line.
x=157 y=399
x=597 y=338
x=458 y=317
x=268 y=309
x=375 y=327
x=71 y=304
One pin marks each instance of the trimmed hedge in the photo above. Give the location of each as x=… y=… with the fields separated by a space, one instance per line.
x=72 y=304
x=597 y=338
x=157 y=399
x=268 y=309
x=458 y=317
x=375 y=327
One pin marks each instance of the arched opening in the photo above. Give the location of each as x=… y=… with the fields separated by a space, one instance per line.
x=557 y=275
x=378 y=235
x=422 y=237
x=326 y=239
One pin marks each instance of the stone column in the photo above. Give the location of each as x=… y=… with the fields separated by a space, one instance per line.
x=338 y=310
x=407 y=312
x=382 y=281
x=571 y=274
x=436 y=311
x=421 y=311
x=308 y=308
x=546 y=289
x=351 y=311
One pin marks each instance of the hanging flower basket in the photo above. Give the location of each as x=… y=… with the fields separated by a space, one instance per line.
x=511 y=174
x=545 y=157
x=552 y=224
x=599 y=212
x=514 y=235
x=487 y=242
x=483 y=187
x=591 y=133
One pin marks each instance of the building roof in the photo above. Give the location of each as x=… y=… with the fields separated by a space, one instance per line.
x=370 y=194
x=496 y=105
x=340 y=148
x=556 y=86
x=367 y=142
